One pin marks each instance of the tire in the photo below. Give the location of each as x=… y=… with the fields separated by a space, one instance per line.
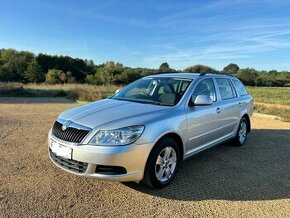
x=242 y=133
x=161 y=167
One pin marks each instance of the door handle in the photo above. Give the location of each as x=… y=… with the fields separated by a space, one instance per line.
x=218 y=110
x=240 y=104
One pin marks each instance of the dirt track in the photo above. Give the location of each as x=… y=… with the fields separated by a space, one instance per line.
x=250 y=181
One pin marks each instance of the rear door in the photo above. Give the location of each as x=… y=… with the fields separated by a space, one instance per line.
x=230 y=107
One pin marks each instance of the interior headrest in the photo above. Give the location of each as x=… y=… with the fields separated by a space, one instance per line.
x=167 y=89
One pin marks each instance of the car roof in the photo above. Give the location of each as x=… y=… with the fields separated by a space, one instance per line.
x=190 y=75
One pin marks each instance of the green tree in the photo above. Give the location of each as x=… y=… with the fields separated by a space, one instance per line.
x=101 y=77
x=106 y=73
x=34 y=73
x=129 y=75
x=78 y=67
x=70 y=78
x=63 y=77
x=248 y=76
x=105 y=76
x=14 y=64
x=164 y=67
x=53 y=76
x=200 y=69
x=145 y=71
x=231 y=69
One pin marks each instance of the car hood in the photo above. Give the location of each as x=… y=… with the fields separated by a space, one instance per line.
x=110 y=113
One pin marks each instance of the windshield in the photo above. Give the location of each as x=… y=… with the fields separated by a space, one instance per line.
x=154 y=90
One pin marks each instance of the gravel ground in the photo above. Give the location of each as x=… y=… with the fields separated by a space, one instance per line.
x=249 y=181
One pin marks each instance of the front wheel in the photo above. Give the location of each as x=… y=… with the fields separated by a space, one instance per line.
x=162 y=163
x=242 y=133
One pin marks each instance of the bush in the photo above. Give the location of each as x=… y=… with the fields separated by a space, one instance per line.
x=248 y=76
x=200 y=69
x=92 y=79
x=53 y=76
x=70 y=78
x=128 y=76
x=231 y=69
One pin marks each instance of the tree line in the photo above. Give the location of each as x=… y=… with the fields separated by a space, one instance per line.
x=26 y=67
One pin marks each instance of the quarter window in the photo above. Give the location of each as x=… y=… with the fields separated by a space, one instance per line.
x=225 y=88
x=240 y=88
x=205 y=87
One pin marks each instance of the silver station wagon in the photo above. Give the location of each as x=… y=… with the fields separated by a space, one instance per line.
x=144 y=131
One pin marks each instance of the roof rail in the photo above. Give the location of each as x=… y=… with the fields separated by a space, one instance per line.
x=219 y=74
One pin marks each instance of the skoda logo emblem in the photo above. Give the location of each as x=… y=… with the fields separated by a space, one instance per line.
x=66 y=125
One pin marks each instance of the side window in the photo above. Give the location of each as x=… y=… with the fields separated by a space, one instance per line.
x=225 y=88
x=233 y=88
x=184 y=85
x=240 y=88
x=161 y=90
x=205 y=87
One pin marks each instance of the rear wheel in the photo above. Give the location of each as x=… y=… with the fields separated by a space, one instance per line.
x=242 y=132
x=162 y=163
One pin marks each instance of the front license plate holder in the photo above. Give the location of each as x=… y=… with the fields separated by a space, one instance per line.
x=61 y=150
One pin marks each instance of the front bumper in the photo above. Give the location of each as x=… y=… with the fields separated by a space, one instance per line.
x=87 y=158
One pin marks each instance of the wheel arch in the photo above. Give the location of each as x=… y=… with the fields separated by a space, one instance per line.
x=246 y=116
x=176 y=138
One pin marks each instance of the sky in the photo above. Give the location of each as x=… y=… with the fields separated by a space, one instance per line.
x=146 y=33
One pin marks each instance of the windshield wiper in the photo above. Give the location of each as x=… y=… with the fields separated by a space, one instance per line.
x=159 y=103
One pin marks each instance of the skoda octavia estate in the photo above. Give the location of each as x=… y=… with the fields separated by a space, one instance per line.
x=145 y=130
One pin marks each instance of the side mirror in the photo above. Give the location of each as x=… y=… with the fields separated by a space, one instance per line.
x=201 y=100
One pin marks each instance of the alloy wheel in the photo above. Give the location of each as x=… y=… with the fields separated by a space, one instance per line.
x=243 y=132
x=165 y=164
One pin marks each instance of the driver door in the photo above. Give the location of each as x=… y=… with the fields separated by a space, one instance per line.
x=203 y=121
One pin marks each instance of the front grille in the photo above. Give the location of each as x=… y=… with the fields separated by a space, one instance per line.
x=70 y=134
x=73 y=165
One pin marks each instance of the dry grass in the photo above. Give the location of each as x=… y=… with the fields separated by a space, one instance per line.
x=282 y=111
x=82 y=92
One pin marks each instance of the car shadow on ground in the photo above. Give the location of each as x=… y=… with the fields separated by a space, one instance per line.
x=259 y=170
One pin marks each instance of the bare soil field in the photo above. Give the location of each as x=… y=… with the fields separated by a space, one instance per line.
x=226 y=181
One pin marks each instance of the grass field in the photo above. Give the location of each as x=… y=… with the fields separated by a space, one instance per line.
x=271 y=95
x=266 y=98
x=272 y=100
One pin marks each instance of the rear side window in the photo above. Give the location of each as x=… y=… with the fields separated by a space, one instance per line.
x=240 y=88
x=225 y=88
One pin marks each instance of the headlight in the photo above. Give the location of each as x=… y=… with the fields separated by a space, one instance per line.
x=122 y=136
